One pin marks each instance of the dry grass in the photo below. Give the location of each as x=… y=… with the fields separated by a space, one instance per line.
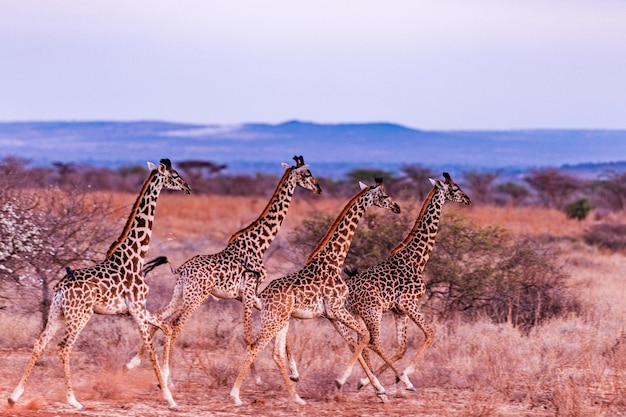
x=574 y=366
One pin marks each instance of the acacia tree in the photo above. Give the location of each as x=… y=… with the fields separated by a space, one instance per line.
x=41 y=232
x=480 y=185
x=553 y=187
x=610 y=191
x=516 y=192
x=417 y=175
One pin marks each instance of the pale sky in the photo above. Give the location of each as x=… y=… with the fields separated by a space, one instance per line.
x=434 y=65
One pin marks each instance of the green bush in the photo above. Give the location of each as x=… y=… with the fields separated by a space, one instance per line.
x=473 y=271
x=376 y=235
x=485 y=271
x=578 y=209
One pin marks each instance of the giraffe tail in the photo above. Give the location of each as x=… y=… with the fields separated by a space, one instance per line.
x=257 y=275
x=351 y=271
x=150 y=265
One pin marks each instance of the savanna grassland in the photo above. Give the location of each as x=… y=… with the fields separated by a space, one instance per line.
x=574 y=365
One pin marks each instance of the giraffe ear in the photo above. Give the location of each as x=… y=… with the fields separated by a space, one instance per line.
x=363 y=186
x=151 y=166
x=438 y=183
x=284 y=165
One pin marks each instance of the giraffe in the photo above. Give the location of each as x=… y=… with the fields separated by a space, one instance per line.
x=113 y=286
x=316 y=290
x=223 y=274
x=396 y=284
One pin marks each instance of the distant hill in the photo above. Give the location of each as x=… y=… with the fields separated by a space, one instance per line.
x=333 y=148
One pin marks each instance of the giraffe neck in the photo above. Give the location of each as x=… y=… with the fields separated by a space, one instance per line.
x=420 y=241
x=333 y=248
x=134 y=240
x=265 y=228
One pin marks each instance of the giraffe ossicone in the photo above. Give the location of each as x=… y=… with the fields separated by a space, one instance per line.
x=113 y=286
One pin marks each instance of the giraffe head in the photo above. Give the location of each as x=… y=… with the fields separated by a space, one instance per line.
x=172 y=180
x=379 y=196
x=303 y=175
x=451 y=191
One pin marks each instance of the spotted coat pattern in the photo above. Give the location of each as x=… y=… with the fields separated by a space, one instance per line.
x=114 y=286
x=396 y=284
x=316 y=290
x=224 y=274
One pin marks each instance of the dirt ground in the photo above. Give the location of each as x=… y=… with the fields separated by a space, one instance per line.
x=135 y=393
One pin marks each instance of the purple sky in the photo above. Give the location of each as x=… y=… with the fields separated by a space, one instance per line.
x=478 y=64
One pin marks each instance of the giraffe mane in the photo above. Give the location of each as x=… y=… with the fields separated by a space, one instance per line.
x=131 y=216
x=265 y=210
x=332 y=228
x=413 y=231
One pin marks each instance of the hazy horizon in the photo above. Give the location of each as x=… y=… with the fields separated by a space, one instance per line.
x=448 y=65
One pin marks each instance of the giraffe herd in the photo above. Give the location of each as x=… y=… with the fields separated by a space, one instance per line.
x=354 y=303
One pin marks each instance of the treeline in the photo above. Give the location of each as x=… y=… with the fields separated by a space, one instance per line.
x=547 y=187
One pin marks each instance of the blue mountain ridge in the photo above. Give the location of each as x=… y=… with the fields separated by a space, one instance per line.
x=335 y=148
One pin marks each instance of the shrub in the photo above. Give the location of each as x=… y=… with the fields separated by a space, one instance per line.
x=472 y=272
x=516 y=192
x=610 y=236
x=484 y=271
x=578 y=209
x=376 y=235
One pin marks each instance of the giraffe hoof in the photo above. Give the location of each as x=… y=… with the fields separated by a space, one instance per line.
x=11 y=401
x=383 y=397
x=413 y=389
x=295 y=378
x=360 y=385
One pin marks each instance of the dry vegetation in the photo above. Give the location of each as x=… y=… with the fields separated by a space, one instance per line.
x=571 y=366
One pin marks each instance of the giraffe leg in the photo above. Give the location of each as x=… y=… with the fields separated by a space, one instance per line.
x=169 y=341
x=55 y=321
x=64 y=349
x=163 y=314
x=429 y=335
x=376 y=346
x=166 y=328
x=252 y=351
x=345 y=333
x=248 y=305
x=294 y=375
x=135 y=361
x=280 y=357
x=352 y=344
x=344 y=317
x=140 y=315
